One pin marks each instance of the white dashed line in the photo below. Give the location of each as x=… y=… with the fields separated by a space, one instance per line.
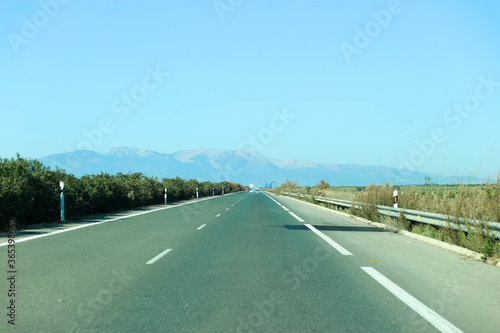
x=218 y=215
x=158 y=257
x=201 y=226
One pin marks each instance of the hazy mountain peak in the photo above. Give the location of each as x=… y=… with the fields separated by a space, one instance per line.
x=282 y=164
x=131 y=151
x=294 y=164
x=249 y=153
x=187 y=156
x=244 y=166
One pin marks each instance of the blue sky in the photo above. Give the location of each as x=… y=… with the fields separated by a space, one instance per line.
x=412 y=84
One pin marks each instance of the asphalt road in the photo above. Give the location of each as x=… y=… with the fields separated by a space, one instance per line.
x=246 y=262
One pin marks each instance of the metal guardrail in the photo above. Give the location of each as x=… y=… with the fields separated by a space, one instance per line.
x=435 y=219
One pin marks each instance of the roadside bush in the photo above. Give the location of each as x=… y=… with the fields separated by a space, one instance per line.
x=29 y=192
x=289 y=186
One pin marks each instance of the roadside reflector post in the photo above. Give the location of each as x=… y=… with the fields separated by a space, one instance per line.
x=213 y=191
x=165 y=195
x=61 y=185
x=222 y=191
x=196 y=193
x=395 y=194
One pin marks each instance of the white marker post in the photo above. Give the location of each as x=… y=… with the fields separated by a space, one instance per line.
x=165 y=195
x=61 y=185
x=213 y=191
x=196 y=193
x=395 y=195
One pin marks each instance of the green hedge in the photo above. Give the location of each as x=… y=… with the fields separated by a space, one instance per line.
x=29 y=192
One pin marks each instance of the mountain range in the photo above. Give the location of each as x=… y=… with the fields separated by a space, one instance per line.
x=244 y=166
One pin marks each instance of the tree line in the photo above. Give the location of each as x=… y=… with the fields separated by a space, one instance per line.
x=30 y=192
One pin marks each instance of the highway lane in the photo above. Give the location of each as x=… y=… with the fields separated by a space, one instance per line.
x=60 y=276
x=253 y=274
x=251 y=267
x=462 y=290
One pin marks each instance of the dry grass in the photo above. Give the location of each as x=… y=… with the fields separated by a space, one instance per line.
x=343 y=193
x=478 y=202
x=475 y=202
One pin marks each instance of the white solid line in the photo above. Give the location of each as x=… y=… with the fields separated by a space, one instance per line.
x=217 y=215
x=329 y=241
x=428 y=314
x=201 y=226
x=298 y=218
x=100 y=222
x=85 y=225
x=155 y=259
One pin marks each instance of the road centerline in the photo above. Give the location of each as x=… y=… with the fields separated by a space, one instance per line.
x=158 y=257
